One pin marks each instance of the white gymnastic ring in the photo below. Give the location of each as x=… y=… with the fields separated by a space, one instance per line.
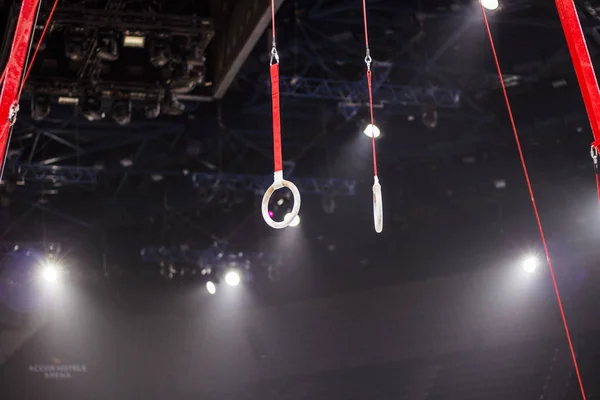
x=377 y=206
x=279 y=183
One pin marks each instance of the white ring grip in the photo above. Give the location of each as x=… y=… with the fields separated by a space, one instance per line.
x=377 y=206
x=279 y=183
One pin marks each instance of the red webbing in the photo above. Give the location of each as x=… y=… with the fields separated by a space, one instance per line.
x=534 y=203
x=583 y=68
x=14 y=70
x=370 y=88
x=276 y=117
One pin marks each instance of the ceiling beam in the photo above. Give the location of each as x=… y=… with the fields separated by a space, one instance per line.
x=241 y=30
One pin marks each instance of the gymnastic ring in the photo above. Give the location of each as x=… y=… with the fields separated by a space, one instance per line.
x=377 y=206
x=278 y=183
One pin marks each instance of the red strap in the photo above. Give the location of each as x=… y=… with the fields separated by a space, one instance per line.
x=370 y=85
x=276 y=117
x=14 y=70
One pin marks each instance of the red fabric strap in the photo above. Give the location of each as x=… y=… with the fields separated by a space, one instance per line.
x=581 y=61
x=14 y=70
x=276 y=118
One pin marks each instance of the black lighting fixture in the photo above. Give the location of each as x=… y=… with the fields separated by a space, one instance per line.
x=152 y=109
x=429 y=114
x=107 y=48
x=75 y=44
x=121 y=111
x=91 y=107
x=40 y=106
x=171 y=106
x=160 y=52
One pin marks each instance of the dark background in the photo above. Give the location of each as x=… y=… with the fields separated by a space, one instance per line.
x=435 y=307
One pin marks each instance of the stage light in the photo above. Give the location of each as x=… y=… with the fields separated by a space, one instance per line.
x=107 y=49
x=121 y=112
x=490 y=4
x=40 y=106
x=232 y=278
x=49 y=272
x=295 y=222
x=211 y=287
x=372 y=131
x=530 y=263
x=91 y=108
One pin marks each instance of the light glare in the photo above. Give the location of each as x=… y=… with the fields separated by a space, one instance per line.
x=490 y=4
x=530 y=264
x=232 y=278
x=211 y=287
x=372 y=130
x=49 y=273
x=295 y=222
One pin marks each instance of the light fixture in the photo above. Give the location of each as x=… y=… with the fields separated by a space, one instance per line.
x=490 y=4
x=152 y=109
x=295 y=222
x=107 y=49
x=137 y=41
x=121 y=111
x=49 y=272
x=530 y=264
x=372 y=131
x=211 y=287
x=91 y=108
x=160 y=52
x=40 y=106
x=232 y=278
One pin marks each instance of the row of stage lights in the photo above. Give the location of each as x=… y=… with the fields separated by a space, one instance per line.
x=51 y=272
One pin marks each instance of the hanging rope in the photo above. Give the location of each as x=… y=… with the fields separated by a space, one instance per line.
x=585 y=74
x=377 y=197
x=534 y=203
x=278 y=181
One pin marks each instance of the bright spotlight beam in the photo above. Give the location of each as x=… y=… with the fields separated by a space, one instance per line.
x=232 y=278
x=530 y=264
x=490 y=4
x=49 y=273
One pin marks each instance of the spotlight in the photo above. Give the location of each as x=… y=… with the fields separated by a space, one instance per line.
x=295 y=222
x=121 y=112
x=490 y=4
x=75 y=45
x=91 y=108
x=160 y=53
x=530 y=264
x=40 y=106
x=108 y=49
x=171 y=106
x=372 y=131
x=152 y=109
x=232 y=278
x=429 y=116
x=211 y=287
x=49 y=273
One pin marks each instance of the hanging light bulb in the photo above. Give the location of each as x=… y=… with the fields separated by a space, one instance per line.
x=372 y=131
x=490 y=4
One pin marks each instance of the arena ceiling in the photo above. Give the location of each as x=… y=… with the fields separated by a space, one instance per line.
x=149 y=155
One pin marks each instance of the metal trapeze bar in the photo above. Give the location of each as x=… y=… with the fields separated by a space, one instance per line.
x=14 y=73
x=245 y=182
x=356 y=92
x=212 y=257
